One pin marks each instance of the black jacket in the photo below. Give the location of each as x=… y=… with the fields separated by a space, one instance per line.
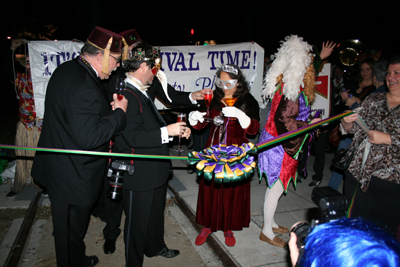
x=142 y=135
x=77 y=116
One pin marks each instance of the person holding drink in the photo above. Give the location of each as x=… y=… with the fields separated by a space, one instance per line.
x=181 y=117
x=226 y=207
x=108 y=210
x=78 y=116
x=146 y=133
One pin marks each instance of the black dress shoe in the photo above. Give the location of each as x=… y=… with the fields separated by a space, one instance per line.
x=109 y=246
x=168 y=253
x=314 y=183
x=90 y=261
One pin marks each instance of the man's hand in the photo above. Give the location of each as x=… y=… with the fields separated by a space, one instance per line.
x=122 y=104
x=178 y=128
x=199 y=95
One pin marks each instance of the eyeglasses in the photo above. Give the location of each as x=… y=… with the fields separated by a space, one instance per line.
x=117 y=59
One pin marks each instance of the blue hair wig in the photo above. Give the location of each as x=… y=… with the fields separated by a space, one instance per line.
x=350 y=242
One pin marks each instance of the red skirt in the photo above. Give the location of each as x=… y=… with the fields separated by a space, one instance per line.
x=223 y=206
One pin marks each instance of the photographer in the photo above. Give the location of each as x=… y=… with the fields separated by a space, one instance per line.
x=346 y=242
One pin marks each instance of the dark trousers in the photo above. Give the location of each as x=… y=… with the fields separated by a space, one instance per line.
x=144 y=224
x=318 y=145
x=109 y=211
x=99 y=209
x=113 y=211
x=70 y=223
x=381 y=202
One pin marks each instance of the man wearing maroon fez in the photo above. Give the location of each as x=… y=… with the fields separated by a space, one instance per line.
x=78 y=116
x=131 y=37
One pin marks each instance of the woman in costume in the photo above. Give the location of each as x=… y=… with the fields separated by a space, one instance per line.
x=291 y=84
x=226 y=206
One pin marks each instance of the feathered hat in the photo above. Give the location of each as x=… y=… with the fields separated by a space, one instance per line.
x=292 y=60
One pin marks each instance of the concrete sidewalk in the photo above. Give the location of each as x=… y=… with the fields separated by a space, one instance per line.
x=295 y=206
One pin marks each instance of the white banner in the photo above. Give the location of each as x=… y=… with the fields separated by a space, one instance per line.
x=45 y=57
x=188 y=68
x=192 y=68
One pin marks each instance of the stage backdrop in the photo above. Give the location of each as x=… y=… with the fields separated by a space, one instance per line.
x=188 y=68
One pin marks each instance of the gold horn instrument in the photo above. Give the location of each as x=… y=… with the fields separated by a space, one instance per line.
x=347 y=54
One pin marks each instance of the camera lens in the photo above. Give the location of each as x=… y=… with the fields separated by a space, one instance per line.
x=301 y=231
x=115 y=189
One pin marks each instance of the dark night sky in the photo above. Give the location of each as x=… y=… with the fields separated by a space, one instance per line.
x=169 y=22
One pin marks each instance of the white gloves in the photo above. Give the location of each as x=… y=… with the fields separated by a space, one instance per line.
x=234 y=112
x=196 y=116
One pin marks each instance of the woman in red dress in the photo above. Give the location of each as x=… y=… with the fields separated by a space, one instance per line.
x=226 y=206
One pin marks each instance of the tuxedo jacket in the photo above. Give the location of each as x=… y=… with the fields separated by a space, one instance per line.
x=142 y=135
x=77 y=116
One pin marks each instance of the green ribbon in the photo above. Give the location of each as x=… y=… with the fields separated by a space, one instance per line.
x=257 y=147
x=96 y=153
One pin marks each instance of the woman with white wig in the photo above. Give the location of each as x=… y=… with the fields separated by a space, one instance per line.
x=291 y=84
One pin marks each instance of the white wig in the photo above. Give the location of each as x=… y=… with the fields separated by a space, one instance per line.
x=291 y=60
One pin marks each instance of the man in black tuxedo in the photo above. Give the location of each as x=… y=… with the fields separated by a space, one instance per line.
x=144 y=192
x=78 y=116
x=111 y=210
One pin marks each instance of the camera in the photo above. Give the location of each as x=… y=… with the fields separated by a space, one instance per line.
x=116 y=174
x=331 y=206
